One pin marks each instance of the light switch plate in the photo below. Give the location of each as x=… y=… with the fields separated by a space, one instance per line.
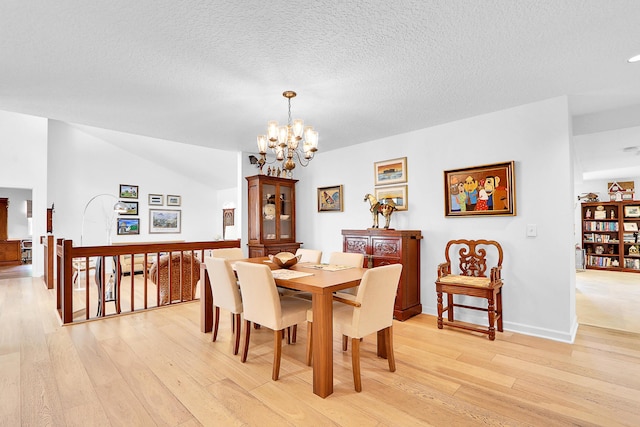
x=532 y=230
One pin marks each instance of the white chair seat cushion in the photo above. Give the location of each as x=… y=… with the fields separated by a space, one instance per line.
x=294 y=311
x=480 y=282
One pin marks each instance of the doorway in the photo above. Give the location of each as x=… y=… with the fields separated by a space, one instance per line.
x=17 y=232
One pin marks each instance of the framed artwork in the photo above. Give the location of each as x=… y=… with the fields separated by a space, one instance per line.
x=128 y=191
x=164 y=221
x=128 y=226
x=174 y=200
x=398 y=194
x=480 y=190
x=632 y=211
x=392 y=171
x=630 y=226
x=330 y=199
x=132 y=208
x=156 y=200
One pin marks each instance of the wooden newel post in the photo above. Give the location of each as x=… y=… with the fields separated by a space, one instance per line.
x=65 y=274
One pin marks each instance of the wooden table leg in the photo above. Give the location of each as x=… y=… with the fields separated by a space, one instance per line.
x=322 y=344
x=206 y=301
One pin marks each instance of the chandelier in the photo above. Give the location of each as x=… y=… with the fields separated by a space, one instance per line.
x=295 y=140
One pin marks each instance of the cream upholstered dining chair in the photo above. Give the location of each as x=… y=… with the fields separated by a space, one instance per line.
x=226 y=295
x=350 y=259
x=231 y=254
x=309 y=255
x=370 y=312
x=263 y=305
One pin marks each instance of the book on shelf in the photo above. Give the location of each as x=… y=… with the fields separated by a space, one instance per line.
x=633 y=263
x=598 y=261
x=600 y=226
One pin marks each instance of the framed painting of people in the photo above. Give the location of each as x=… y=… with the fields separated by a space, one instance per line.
x=480 y=190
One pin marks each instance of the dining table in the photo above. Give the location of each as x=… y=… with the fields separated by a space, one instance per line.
x=321 y=282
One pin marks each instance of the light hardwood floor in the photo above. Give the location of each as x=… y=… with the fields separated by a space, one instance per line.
x=156 y=368
x=608 y=299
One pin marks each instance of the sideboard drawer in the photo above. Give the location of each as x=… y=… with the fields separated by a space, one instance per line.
x=357 y=245
x=388 y=248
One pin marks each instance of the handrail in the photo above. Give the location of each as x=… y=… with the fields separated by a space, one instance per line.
x=76 y=261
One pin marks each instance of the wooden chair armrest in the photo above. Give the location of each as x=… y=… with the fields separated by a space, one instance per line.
x=346 y=301
x=496 y=273
x=444 y=269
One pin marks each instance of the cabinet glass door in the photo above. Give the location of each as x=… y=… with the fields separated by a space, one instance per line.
x=269 y=212
x=286 y=209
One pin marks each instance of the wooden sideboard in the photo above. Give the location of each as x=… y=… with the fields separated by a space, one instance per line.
x=10 y=252
x=382 y=247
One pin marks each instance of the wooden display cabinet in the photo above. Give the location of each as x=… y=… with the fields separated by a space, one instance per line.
x=272 y=215
x=630 y=248
x=610 y=236
x=383 y=247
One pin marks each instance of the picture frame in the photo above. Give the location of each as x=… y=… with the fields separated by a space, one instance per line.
x=128 y=191
x=174 y=200
x=156 y=200
x=399 y=195
x=480 y=190
x=630 y=226
x=330 y=199
x=165 y=221
x=393 y=171
x=128 y=226
x=632 y=211
x=132 y=208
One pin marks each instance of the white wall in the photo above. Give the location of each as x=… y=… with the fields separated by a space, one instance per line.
x=84 y=164
x=23 y=150
x=539 y=272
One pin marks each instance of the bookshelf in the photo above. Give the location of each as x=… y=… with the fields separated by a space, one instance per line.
x=610 y=235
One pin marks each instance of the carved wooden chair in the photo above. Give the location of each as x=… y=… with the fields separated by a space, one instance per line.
x=470 y=279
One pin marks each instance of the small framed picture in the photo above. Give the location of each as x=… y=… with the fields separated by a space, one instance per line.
x=127 y=226
x=128 y=191
x=630 y=226
x=174 y=200
x=632 y=211
x=164 y=221
x=156 y=200
x=392 y=171
x=330 y=199
x=132 y=208
x=398 y=194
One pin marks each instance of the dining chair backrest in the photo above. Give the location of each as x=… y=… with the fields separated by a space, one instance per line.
x=259 y=295
x=347 y=258
x=231 y=254
x=309 y=255
x=223 y=284
x=376 y=295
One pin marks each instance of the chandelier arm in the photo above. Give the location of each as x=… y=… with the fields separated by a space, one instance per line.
x=301 y=159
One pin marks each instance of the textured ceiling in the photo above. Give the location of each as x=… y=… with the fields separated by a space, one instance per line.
x=211 y=73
